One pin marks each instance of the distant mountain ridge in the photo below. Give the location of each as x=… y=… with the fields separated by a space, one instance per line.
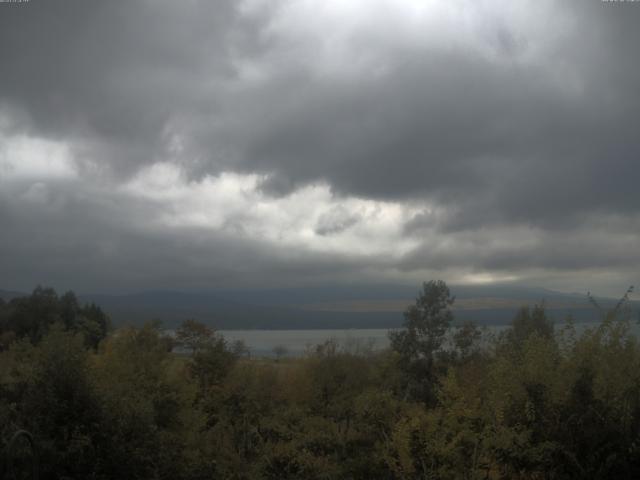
x=379 y=306
x=7 y=295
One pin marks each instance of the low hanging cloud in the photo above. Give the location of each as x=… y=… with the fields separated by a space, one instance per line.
x=336 y=220
x=197 y=144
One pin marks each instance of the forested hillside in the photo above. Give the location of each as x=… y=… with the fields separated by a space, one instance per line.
x=538 y=401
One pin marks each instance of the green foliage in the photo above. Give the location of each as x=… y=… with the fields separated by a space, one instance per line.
x=466 y=339
x=145 y=404
x=426 y=322
x=529 y=321
x=193 y=335
x=418 y=343
x=33 y=316
x=48 y=390
x=443 y=403
x=211 y=358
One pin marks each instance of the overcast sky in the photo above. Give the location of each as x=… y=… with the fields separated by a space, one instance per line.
x=192 y=145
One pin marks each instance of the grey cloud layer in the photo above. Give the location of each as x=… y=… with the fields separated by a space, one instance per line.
x=92 y=240
x=517 y=126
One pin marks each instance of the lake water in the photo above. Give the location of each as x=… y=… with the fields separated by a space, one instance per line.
x=297 y=342
x=262 y=343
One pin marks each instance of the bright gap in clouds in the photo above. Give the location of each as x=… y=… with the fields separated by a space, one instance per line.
x=310 y=218
x=24 y=158
x=347 y=38
x=486 y=278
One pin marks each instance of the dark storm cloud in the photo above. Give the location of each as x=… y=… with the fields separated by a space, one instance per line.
x=445 y=124
x=504 y=125
x=110 y=75
x=92 y=242
x=591 y=246
x=518 y=142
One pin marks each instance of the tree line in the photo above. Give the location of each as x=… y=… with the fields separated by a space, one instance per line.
x=443 y=402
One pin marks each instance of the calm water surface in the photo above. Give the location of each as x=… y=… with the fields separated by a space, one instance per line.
x=298 y=342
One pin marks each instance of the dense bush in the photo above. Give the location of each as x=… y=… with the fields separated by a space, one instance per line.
x=442 y=403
